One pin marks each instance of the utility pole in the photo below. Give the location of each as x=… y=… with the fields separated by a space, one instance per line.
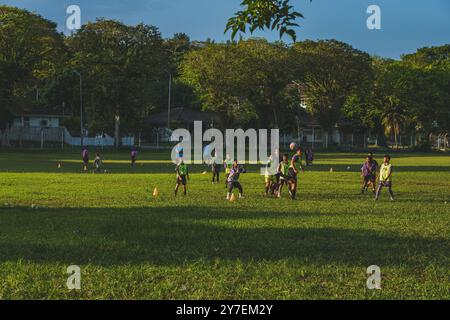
x=81 y=107
x=169 y=99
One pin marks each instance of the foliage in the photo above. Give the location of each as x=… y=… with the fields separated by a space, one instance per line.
x=242 y=80
x=265 y=14
x=31 y=53
x=123 y=68
x=329 y=73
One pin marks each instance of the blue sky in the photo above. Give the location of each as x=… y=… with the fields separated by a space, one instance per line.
x=406 y=24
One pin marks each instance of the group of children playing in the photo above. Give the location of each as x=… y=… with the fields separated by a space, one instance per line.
x=286 y=173
x=369 y=172
x=98 y=160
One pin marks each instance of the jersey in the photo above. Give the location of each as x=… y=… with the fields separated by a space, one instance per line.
x=385 y=172
x=182 y=169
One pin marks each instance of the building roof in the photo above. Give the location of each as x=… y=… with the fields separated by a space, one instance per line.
x=32 y=110
x=182 y=115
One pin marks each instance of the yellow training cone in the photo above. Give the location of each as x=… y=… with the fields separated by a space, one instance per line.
x=59 y=165
x=155 y=192
x=232 y=198
x=331 y=170
x=204 y=172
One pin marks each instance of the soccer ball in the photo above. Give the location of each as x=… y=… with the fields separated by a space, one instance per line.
x=293 y=145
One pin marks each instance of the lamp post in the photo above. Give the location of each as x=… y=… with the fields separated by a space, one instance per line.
x=170 y=96
x=81 y=106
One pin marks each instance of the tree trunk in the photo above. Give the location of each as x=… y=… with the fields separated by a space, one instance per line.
x=395 y=139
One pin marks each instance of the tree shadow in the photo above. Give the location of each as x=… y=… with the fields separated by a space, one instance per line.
x=179 y=235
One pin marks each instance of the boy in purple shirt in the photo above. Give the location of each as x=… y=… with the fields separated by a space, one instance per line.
x=133 y=156
x=368 y=173
x=85 y=157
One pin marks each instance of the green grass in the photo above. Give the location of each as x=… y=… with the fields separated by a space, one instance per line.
x=130 y=245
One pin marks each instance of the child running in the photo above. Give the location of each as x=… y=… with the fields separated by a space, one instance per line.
x=309 y=157
x=215 y=164
x=97 y=163
x=282 y=170
x=227 y=164
x=182 y=174
x=296 y=165
x=233 y=179
x=133 y=156
x=385 y=177
x=369 y=174
x=269 y=178
x=85 y=157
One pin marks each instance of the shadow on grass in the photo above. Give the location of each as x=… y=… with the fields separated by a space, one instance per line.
x=149 y=168
x=175 y=236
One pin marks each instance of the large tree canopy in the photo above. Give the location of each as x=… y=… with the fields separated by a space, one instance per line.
x=243 y=80
x=328 y=73
x=31 y=53
x=122 y=68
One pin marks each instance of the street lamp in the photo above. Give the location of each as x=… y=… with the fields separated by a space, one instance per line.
x=170 y=95
x=81 y=106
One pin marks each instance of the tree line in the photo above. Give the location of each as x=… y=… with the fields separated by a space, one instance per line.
x=249 y=83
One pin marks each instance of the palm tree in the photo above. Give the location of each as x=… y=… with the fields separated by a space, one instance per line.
x=393 y=119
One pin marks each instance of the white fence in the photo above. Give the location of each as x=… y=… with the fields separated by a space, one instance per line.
x=62 y=135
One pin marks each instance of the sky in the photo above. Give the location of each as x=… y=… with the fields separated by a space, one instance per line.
x=406 y=25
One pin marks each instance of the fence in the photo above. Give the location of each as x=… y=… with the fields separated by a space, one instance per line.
x=58 y=137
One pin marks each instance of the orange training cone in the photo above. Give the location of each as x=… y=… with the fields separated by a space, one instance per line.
x=155 y=192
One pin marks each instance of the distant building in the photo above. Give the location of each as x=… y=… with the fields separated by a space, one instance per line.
x=184 y=118
x=32 y=117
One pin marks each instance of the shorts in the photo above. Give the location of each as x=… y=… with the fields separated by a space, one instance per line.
x=216 y=168
x=386 y=183
x=85 y=160
x=269 y=179
x=292 y=176
x=181 y=180
x=369 y=178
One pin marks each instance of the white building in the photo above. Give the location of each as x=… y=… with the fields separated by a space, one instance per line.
x=36 y=121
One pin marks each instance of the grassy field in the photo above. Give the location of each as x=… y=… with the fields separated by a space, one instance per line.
x=130 y=245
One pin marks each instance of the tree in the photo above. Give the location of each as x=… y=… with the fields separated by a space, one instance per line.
x=265 y=14
x=243 y=81
x=431 y=93
x=419 y=87
x=327 y=74
x=31 y=53
x=124 y=73
x=393 y=118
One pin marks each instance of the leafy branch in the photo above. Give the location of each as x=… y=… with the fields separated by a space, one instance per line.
x=265 y=14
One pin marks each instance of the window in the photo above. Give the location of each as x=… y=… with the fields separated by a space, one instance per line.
x=44 y=123
x=26 y=122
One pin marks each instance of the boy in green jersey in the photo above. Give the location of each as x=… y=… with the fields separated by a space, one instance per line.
x=385 y=177
x=182 y=174
x=294 y=168
x=283 y=169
